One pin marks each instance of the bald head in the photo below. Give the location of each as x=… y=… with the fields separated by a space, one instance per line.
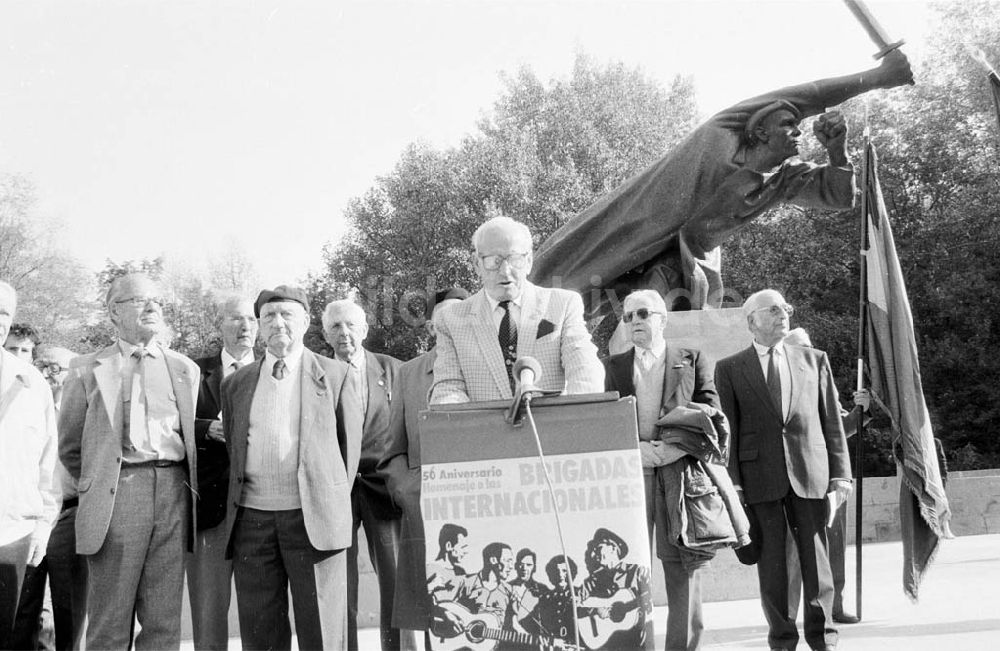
x=503 y=257
x=767 y=316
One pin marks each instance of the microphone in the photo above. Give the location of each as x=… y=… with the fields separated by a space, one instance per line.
x=526 y=372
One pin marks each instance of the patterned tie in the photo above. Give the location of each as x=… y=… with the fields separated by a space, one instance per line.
x=774 y=380
x=280 y=370
x=508 y=341
x=137 y=401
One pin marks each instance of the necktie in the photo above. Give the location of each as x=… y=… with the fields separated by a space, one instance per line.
x=236 y=366
x=646 y=359
x=508 y=341
x=774 y=380
x=136 y=427
x=280 y=370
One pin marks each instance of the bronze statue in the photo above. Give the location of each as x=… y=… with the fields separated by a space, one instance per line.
x=663 y=228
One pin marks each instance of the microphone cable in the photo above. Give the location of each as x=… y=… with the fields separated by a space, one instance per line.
x=555 y=512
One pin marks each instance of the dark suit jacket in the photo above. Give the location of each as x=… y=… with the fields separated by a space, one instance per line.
x=329 y=436
x=688 y=377
x=213 y=460
x=770 y=454
x=401 y=468
x=381 y=374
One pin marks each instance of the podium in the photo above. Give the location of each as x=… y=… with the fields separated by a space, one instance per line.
x=495 y=566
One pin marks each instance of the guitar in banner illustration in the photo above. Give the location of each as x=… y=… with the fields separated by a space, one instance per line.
x=623 y=617
x=484 y=632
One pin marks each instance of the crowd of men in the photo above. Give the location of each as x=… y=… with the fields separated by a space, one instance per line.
x=125 y=468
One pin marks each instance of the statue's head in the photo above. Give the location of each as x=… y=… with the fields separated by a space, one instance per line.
x=775 y=127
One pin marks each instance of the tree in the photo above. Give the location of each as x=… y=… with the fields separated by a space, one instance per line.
x=544 y=152
x=52 y=286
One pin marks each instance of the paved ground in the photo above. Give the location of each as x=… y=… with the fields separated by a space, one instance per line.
x=959 y=605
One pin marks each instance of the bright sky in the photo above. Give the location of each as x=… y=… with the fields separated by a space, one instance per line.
x=187 y=127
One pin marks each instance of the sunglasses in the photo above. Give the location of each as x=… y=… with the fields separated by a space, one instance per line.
x=642 y=313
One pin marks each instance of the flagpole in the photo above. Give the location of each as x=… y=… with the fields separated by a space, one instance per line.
x=866 y=171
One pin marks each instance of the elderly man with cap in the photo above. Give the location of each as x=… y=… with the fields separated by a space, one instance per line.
x=662 y=228
x=789 y=458
x=126 y=435
x=28 y=495
x=401 y=466
x=292 y=424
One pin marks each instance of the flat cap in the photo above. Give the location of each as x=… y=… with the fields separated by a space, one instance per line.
x=281 y=293
x=757 y=116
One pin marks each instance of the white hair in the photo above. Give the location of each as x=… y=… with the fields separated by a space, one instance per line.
x=342 y=304
x=506 y=224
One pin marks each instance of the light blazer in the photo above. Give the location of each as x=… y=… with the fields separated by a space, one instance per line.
x=90 y=435
x=688 y=378
x=771 y=454
x=329 y=445
x=470 y=365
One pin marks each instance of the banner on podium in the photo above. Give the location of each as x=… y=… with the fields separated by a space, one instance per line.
x=495 y=567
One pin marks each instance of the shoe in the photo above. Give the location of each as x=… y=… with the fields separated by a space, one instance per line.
x=846 y=618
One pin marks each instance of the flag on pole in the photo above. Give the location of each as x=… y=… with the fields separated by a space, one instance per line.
x=995 y=88
x=895 y=377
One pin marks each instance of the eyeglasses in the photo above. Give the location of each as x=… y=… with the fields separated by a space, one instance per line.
x=142 y=301
x=642 y=313
x=777 y=310
x=54 y=368
x=515 y=260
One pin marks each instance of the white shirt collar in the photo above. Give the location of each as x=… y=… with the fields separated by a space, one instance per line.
x=126 y=349
x=292 y=361
x=657 y=350
x=228 y=360
x=494 y=304
x=762 y=350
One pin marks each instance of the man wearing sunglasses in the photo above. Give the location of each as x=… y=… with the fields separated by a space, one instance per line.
x=789 y=458
x=479 y=339
x=662 y=378
x=126 y=435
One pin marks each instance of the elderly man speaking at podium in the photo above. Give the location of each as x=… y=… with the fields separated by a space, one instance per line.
x=479 y=339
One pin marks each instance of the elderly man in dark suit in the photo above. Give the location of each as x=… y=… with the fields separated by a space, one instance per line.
x=345 y=327
x=209 y=573
x=126 y=435
x=789 y=458
x=662 y=378
x=292 y=426
x=401 y=467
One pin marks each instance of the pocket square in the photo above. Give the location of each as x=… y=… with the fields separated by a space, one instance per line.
x=545 y=327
